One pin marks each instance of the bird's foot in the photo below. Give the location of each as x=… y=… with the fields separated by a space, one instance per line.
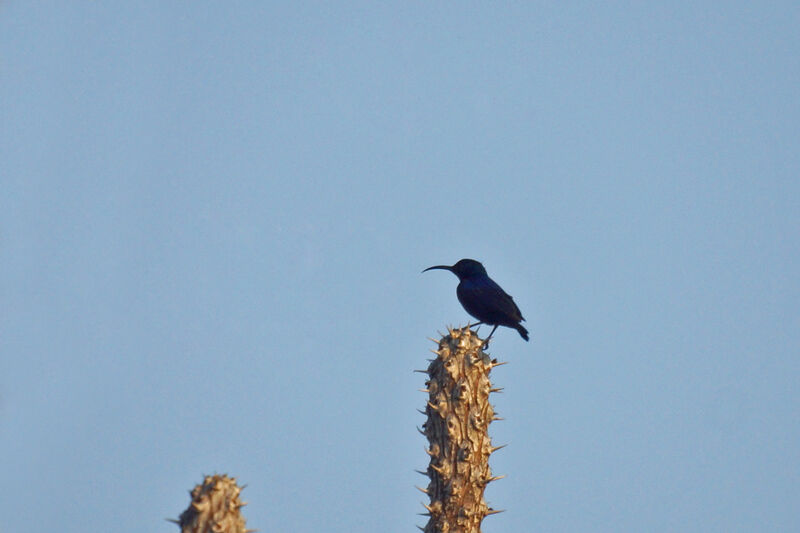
x=486 y=341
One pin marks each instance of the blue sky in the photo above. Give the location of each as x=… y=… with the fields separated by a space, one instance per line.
x=214 y=216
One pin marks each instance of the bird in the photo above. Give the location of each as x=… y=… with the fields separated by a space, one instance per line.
x=484 y=299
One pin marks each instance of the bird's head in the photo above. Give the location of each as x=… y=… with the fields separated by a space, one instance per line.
x=465 y=268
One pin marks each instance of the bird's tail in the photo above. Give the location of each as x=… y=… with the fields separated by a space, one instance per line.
x=522 y=331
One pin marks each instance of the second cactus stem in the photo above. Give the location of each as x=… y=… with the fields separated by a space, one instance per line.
x=215 y=508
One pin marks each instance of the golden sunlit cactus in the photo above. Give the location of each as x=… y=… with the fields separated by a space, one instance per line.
x=457 y=428
x=215 y=508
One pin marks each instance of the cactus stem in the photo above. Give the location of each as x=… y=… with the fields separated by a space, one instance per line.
x=459 y=414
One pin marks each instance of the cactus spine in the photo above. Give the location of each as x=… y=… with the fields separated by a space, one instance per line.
x=457 y=428
x=215 y=507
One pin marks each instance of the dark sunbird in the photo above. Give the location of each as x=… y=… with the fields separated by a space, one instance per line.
x=483 y=298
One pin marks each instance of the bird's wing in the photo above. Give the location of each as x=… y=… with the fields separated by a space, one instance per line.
x=489 y=297
x=507 y=303
x=510 y=304
x=510 y=299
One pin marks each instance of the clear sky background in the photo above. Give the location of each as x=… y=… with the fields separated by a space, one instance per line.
x=213 y=218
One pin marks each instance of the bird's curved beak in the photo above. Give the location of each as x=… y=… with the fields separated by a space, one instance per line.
x=438 y=267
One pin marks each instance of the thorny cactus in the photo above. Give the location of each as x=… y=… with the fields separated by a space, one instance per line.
x=215 y=508
x=459 y=414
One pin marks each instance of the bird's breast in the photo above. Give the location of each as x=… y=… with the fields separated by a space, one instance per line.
x=472 y=296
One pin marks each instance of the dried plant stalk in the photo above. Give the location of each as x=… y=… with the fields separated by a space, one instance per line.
x=215 y=507
x=457 y=428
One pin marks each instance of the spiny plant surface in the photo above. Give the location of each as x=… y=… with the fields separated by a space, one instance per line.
x=215 y=507
x=457 y=427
